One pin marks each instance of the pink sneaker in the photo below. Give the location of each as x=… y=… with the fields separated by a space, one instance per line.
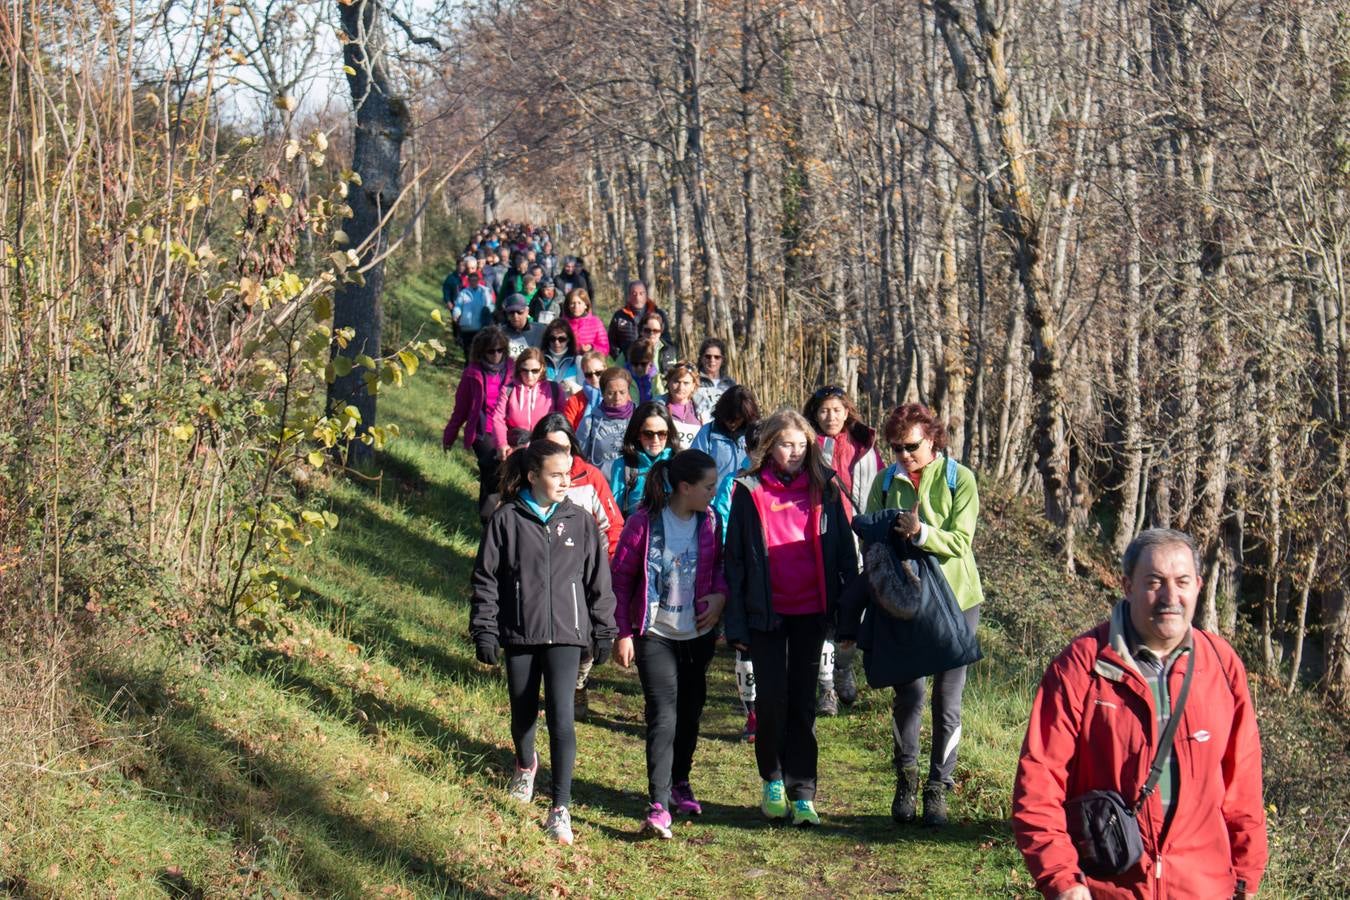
x=682 y=799
x=657 y=822
x=751 y=723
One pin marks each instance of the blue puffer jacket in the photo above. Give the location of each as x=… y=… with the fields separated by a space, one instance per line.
x=731 y=457
x=628 y=482
x=601 y=439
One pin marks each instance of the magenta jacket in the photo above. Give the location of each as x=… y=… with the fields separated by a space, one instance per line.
x=475 y=400
x=590 y=330
x=631 y=576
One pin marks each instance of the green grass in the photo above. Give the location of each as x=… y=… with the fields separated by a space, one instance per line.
x=363 y=752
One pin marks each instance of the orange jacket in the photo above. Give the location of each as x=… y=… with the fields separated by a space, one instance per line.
x=1093 y=728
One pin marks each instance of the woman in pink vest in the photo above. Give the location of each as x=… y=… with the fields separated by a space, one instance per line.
x=528 y=398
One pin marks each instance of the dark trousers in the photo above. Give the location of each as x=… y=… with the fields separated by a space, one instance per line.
x=907 y=713
x=557 y=667
x=787 y=663
x=674 y=677
x=489 y=475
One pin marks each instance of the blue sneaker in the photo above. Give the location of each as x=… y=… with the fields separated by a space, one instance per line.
x=774 y=802
x=804 y=813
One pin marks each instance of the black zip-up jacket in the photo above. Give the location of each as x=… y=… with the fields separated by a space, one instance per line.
x=537 y=583
x=749 y=603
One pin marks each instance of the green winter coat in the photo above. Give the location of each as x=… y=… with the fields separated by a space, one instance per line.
x=949 y=518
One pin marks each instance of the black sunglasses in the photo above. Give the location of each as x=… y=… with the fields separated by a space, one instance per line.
x=906 y=448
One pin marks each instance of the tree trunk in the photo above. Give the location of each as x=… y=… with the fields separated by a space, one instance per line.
x=714 y=297
x=381 y=123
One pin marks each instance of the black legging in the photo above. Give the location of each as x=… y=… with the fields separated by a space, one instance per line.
x=787 y=663
x=557 y=667
x=489 y=475
x=674 y=677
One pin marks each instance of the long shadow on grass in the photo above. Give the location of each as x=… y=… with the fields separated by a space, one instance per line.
x=371 y=712
x=237 y=784
x=382 y=633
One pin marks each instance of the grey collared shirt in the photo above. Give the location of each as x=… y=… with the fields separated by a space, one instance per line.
x=1155 y=670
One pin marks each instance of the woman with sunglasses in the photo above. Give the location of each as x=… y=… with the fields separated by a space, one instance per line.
x=649 y=438
x=789 y=557
x=476 y=399
x=712 y=383
x=640 y=361
x=680 y=381
x=942 y=506
x=849 y=447
x=587 y=327
x=560 y=356
x=527 y=399
x=590 y=366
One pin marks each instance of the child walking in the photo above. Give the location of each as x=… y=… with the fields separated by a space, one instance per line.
x=789 y=557
x=670 y=593
x=541 y=592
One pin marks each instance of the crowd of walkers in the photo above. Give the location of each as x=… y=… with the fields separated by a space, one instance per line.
x=640 y=508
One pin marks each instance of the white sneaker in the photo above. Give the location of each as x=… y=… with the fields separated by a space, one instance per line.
x=522 y=782
x=559 y=825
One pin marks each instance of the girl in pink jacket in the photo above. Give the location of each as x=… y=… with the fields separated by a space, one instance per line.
x=526 y=399
x=670 y=591
x=590 y=331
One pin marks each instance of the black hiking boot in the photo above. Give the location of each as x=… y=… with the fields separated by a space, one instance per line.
x=934 y=805
x=906 y=802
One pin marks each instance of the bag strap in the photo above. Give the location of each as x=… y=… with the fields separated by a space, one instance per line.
x=1165 y=743
x=951 y=474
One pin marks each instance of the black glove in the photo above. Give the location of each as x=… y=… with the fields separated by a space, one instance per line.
x=486 y=650
x=600 y=650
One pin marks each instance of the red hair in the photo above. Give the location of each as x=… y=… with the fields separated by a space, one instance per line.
x=906 y=416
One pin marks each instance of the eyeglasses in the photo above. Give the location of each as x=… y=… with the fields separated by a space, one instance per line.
x=558 y=339
x=651 y=331
x=831 y=390
x=653 y=435
x=596 y=374
x=533 y=370
x=494 y=351
x=712 y=356
x=906 y=448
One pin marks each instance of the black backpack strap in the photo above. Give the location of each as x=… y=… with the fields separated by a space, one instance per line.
x=1165 y=743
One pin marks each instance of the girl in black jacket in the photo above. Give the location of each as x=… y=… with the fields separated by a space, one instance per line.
x=541 y=592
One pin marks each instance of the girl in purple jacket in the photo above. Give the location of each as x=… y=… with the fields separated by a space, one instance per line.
x=670 y=591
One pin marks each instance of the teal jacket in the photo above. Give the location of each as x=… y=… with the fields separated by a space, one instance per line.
x=628 y=482
x=948 y=518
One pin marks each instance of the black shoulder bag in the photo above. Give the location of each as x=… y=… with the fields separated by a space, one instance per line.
x=1104 y=829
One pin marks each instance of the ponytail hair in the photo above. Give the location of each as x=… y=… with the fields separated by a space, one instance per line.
x=685 y=467
x=527 y=460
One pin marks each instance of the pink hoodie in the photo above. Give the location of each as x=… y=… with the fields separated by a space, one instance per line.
x=522 y=407
x=791 y=525
x=590 y=330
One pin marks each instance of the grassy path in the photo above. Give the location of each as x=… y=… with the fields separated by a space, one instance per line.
x=362 y=752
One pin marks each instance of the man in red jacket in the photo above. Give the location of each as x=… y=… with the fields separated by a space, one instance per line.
x=1095 y=725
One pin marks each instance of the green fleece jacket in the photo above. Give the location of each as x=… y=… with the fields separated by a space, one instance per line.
x=949 y=521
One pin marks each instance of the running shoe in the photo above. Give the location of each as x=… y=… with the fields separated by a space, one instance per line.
x=828 y=703
x=559 y=825
x=682 y=800
x=522 y=782
x=657 y=822
x=774 y=802
x=804 y=813
x=750 y=724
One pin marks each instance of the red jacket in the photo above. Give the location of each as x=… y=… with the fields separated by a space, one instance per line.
x=1093 y=728
x=591 y=492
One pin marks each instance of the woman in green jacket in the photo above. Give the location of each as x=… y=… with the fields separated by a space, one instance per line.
x=941 y=506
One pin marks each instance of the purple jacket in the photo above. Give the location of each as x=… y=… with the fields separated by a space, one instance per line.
x=632 y=576
x=475 y=400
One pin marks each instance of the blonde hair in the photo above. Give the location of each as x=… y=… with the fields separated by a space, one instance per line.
x=772 y=428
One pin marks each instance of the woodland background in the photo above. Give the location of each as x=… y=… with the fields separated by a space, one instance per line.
x=1106 y=239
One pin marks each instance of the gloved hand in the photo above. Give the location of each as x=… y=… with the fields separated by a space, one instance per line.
x=486 y=650
x=600 y=650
